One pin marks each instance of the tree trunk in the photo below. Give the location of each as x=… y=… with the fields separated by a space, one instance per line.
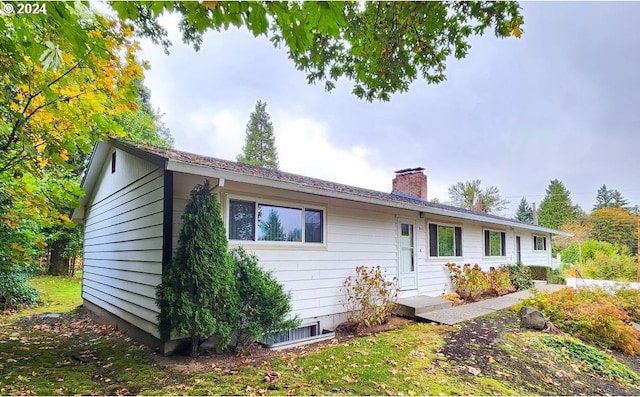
x=58 y=264
x=195 y=339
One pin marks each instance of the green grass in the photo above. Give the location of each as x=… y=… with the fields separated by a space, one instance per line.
x=57 y=294
x=76 y=356
x=403 y=361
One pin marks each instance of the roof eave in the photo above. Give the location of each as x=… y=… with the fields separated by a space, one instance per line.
x=190 y=168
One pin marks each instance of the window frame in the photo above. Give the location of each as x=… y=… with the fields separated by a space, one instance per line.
x=544 y=243
x=257 y=201
x=457 y=253
x=486 y=240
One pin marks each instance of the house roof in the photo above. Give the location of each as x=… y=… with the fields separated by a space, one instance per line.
x=176 y=160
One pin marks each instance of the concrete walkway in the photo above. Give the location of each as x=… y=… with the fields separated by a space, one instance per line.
x=458 y=314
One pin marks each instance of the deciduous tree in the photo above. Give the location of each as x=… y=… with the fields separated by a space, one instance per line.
x=471 y=196
x=260 y=142
x=615 y=225
x=65 y=76
x=381 y=46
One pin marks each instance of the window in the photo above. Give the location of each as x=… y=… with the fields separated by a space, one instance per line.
x=494 y=243
x=255 y=221
x=113 y=162
x=445 y=240
x=539 y=243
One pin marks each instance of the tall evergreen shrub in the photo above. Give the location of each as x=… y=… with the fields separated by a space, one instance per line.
x=264 y=306
x=198 y=296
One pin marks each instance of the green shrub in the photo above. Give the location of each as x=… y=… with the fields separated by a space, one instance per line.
x=369 y=297
x=520 y=276
x=593 y=316
x=198 y=296
x=588 y=248
x=15 y=290
x=616 y=266
x=554 y=276
x=263 y=304
x=499 y=282
x=470 y=281
x=538 y=272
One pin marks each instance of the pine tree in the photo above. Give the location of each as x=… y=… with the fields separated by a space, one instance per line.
x=198 y=294
x=271 y=228
x=603 y=198
x=524 y=212
x=259 y=144
x=617 y=200
x=556 y=208
x=608 y=198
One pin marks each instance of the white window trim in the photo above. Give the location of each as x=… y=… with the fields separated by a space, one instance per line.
x=503 y=244
x=277 y=203
x=545 y=244
x=453 y=225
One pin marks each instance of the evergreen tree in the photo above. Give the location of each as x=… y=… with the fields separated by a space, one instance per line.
x=271 y=228
x=608 y=198
x=260 y=142
x=556 y=208
x=617 y=200
x=524 y=213
x=198 y=295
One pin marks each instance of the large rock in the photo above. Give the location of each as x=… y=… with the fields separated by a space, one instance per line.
x=532 y=318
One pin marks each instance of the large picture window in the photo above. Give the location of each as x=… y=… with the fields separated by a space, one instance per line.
x=445 y=240
x=494 y=243
x=255 y=221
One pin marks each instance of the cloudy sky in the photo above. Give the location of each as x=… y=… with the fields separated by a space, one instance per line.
x=562 y=102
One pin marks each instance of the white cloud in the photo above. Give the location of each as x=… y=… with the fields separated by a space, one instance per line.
x=304 y=148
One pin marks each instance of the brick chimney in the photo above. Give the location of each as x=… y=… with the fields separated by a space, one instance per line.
x=410 y=182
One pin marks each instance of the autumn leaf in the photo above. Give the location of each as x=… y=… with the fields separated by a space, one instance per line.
x=516 y=31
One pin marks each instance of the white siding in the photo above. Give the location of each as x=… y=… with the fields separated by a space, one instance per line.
x=123 y=241
x=356 y=234
x=531 y=256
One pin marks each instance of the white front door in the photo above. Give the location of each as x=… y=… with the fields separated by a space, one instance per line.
x=407 y=264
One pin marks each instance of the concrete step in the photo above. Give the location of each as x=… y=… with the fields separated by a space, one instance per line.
x=411 y=305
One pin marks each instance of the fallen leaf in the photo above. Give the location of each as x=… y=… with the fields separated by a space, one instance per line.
x=473 y=370
x=349 y=379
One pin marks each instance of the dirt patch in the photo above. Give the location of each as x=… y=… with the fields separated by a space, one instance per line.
x=488 y=346
x=256 y=354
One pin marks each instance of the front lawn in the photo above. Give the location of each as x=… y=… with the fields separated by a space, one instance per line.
x=69 y=354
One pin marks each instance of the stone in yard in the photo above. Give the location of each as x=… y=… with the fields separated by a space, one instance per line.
x=532 y=318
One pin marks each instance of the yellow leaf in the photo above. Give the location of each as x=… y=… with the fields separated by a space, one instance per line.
x=516 y=31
